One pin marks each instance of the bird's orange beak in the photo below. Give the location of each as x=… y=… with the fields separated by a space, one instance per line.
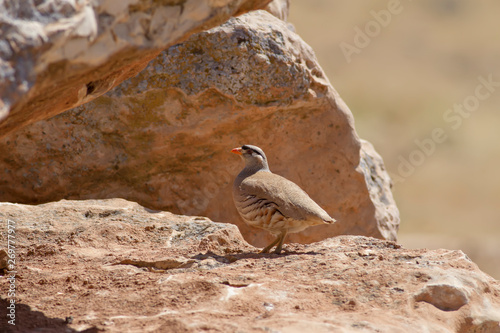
x=237 y=151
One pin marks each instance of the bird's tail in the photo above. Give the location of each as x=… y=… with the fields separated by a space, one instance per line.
x=330 y=220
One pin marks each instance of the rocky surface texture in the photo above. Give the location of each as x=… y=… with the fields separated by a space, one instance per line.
x=57 y=54
x=114 y=266
x=162 y=138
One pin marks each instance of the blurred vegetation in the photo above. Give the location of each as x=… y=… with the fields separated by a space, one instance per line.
x=427 y=58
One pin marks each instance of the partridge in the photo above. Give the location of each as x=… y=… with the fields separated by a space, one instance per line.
x=268 y=201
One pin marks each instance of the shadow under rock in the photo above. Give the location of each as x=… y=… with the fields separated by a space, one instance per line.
x=27 y=320
x=230 y=258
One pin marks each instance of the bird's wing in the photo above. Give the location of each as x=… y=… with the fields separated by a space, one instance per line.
x=290 y=199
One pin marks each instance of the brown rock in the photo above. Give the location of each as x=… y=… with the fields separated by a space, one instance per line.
x=3 y=259
x=56 y=55
x=446 y=297
x=115 y=266
x=163 y=137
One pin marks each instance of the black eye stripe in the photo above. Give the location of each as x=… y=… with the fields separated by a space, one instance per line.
x=253 y=150
x=250 y=149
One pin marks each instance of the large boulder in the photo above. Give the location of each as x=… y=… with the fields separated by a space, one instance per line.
x=163 y=137
x=114 y=266
x=58 y=54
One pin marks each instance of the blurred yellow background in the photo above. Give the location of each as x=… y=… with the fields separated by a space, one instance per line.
x=404 y=69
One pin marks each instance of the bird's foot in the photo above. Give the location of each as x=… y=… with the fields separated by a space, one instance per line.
x=265 y=250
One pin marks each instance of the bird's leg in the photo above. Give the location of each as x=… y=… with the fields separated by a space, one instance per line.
x=280 y=243
x=267 y=248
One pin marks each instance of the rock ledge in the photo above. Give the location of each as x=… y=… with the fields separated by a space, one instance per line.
x=115 y=266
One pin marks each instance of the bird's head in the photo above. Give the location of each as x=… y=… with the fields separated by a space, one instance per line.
x=253 y=156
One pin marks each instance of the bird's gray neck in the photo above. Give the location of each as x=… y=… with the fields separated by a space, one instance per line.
x=252 y=169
